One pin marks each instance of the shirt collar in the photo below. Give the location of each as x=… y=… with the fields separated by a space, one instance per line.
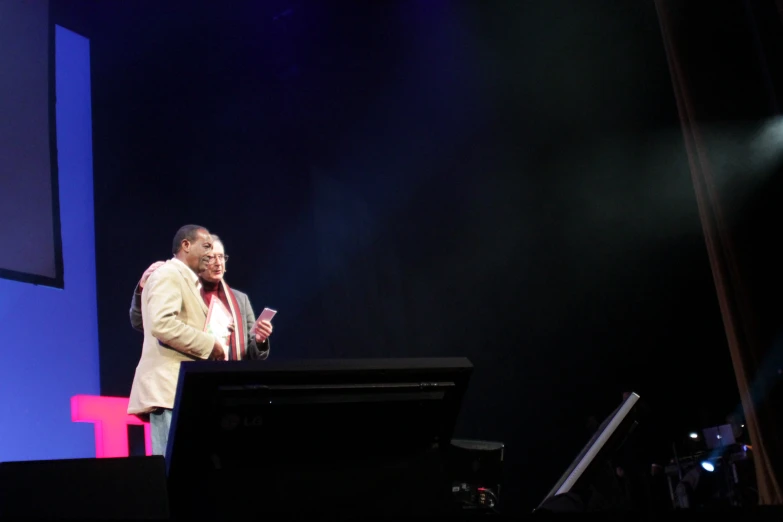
x=191 y=273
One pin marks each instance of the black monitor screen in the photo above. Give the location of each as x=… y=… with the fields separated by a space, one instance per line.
x=339 y=433
x=607 y=439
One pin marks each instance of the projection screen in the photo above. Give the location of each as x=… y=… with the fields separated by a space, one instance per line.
x=29 y=196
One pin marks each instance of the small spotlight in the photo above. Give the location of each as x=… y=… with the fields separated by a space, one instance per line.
x=694 y=435
x=742 y=425
x=708 y=466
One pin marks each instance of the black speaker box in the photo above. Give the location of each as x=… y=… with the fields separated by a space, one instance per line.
x=127 y=488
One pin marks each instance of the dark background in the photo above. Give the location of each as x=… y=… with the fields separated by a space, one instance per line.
x=501 y=180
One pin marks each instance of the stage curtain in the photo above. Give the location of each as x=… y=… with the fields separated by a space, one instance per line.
x=686 y=50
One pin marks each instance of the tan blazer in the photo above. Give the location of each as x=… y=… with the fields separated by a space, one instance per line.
x=174 y=315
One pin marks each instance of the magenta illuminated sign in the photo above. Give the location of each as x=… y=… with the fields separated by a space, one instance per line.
x=111 y=420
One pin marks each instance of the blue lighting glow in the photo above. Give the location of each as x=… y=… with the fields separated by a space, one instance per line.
x=50 y=336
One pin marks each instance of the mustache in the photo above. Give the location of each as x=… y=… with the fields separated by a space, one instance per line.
x=209 y=269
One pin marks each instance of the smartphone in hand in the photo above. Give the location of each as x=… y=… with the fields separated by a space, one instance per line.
x=267 y=315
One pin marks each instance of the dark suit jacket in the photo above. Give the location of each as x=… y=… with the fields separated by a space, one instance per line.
x=255 y=351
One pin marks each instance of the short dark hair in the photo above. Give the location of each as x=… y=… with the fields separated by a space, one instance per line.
x=188 y=232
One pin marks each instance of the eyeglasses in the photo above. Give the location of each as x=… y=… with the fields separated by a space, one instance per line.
x=216 y=257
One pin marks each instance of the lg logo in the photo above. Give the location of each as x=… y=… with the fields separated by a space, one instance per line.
x=253 y=422
x=232 y=421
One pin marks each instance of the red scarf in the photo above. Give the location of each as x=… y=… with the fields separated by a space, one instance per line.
x=238 y=348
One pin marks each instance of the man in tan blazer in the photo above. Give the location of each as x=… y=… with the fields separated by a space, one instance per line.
x=174 y=315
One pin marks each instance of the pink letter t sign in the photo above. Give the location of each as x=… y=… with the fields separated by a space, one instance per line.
x=111 y=420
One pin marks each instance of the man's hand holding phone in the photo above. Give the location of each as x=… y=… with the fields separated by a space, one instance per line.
x=263 y=326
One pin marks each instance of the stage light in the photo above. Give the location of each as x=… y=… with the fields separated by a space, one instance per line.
x=708 y=466
x=694 y=435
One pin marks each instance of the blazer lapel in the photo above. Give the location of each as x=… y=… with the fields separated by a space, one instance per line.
x=190 y=284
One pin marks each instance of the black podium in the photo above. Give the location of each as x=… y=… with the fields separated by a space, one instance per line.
x=252 y=439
